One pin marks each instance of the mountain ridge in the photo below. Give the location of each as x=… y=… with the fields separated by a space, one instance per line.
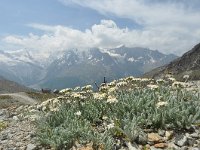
x=75 y=67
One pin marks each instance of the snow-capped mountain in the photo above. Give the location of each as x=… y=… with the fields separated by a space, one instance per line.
x=77 y=67
x=21 y=66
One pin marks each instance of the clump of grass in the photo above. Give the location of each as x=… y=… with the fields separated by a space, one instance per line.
x=102 y=122
x=7 y=101
x=3 y=125
x=4 y=97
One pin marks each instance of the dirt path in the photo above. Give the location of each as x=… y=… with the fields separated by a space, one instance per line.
x=22 y=97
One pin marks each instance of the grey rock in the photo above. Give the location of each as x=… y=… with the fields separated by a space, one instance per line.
x=4 y=137
x=161 y=132
x=194 y=135
x=195 y=148
x=142 y=139
x=181 y=140
x=15 y=118
x=31 y=147
x=184 y=148
x=4 y=142
x=191 y=141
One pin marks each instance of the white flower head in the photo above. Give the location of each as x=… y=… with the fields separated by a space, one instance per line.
x=121 y=84
x=99 y=96
x=186 y=76
x=77 y=88
x=78 y=113
x=110 y=126
x=104 y=117
x=153 y=86
x=87 y=88
x=161 y=104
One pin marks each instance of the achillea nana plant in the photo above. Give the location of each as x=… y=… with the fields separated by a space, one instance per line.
x=103 y=117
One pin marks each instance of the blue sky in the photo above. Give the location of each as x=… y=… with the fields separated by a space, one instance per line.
x=171 y=26
x=16 y=14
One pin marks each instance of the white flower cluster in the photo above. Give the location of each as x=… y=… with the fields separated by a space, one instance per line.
x=99 y=96
x=179 y=84
x=112 y=99
x=87 y=88
x=50 y=105
x=64 y=91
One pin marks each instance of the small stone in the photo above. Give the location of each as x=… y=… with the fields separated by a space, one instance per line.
x=181 y=141
x=130 y=146
x=169 y=135
x=191 y=141
x=161 y=132
x=195 y=148
x=4 y=141
x=184 y=148
x=147 y=147
x=154 y=137
x=18 y=144
x=22 y=148
x=15 y=118
x=172 y=146
x=4 y=137
x=160 y=145
x=142 y=139
x=194 y=135
x=31 y=147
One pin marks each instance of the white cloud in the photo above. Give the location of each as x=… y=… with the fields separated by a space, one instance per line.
x=106 y=34
x=171 y=25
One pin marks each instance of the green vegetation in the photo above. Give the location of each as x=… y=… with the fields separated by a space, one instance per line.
x=3 y=97
x=118 y=113
x=3 y=125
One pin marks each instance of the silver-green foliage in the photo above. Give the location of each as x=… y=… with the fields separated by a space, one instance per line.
x=134 y=111
x=63 y=128
x=182 y=109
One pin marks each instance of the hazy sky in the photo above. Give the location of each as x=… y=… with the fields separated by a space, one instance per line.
x=171 y=26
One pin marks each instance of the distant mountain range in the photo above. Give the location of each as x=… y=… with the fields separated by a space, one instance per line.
x=188 y=64
x=75 y=67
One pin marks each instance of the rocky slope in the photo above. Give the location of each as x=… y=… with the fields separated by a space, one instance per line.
x=188 y=64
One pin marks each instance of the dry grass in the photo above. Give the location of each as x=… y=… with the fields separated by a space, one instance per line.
x=40 y=96
x=7 y=101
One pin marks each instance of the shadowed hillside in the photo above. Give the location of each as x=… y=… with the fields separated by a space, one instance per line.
x=188 y=64
x=7 y=86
